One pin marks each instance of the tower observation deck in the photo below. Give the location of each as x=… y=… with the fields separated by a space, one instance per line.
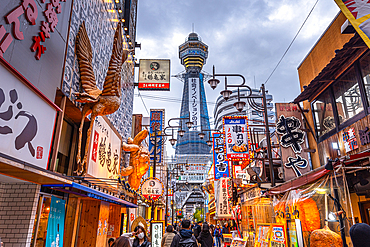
x=193 y=55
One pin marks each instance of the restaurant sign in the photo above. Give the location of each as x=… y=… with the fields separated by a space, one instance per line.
x=292 y=140
x=151 y=189
x=104 y=151
x=26 y=121
x=154 y=74
x=236 y=138
x=222 y=199
x=156 y=126
x=220 y=164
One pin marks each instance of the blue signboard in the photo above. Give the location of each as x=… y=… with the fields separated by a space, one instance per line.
x=55 y=230
x=156 y=123
x=221 y=165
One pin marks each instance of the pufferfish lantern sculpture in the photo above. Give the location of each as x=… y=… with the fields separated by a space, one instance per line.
x=139 y=159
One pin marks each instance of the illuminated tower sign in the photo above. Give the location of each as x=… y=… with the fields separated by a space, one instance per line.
x=193 y=55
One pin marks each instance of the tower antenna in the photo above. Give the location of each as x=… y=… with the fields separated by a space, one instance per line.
x=192 y=27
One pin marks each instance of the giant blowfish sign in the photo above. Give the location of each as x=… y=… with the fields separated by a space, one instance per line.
x=357 y=12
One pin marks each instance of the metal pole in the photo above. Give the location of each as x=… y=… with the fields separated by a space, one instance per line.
x=341 y=222
x=269 y=154
x=165 y=216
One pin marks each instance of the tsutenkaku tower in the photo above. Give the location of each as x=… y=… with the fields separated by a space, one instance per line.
x=193 y=55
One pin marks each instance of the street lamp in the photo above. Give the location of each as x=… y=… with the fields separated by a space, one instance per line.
x=201 y=135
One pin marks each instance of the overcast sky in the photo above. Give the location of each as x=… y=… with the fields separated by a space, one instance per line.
x=243 y=36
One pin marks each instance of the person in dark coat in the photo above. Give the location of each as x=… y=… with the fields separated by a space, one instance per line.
x=360 y=235
x=186 y=234
x=205 y=238
x=141 y=240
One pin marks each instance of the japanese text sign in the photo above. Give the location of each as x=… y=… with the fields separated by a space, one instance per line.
x=357 y=13
x=154 y=74
x=222 y=198
x=350 y=140
x=156 y=123
x=55 y=228
x=194 y=103
x=151 y=188
x=157 y=233
x=220 y=164
x=236 y=137
x=26 y=121
x=105 y=150
x=292 y=140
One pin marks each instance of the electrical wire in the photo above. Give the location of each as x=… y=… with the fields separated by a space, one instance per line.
x=291 y=43
x=144 y=103
x=174 y=100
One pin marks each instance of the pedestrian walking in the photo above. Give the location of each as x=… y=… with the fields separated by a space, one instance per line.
x=205 y=238
x=168 y=237
x=121 y=242
x=141 y=240
x=185 y=238
x=218 y=235
x=360 y=234
x=197 y=229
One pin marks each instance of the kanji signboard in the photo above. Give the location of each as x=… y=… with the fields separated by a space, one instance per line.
x=350 y=140
x=154 y=74
x=222 y=198
x=236 y=137
x=357 y=12
x=291 y=140
x=194 y=103
x=156 y=123
x=26 y=121
x=105 y=150
x=151 y=188
x=220 y=164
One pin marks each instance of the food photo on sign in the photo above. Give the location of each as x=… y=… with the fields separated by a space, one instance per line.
x=236 y=137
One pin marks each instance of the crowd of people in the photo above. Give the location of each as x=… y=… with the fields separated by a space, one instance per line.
x=183 y=234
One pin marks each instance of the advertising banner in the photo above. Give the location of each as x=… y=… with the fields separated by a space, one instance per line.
x=193 y=177
x=157 y=233
x=220 y=165
x=357 y=13
x=236 y=137
x=194 y=103
x=151 y=189
x=196 y=168
x=26 y=121
x=105 y=150
x=222 y=199
x=55 y=229
x=292 y=140
x=154 y=74
x=156 y=123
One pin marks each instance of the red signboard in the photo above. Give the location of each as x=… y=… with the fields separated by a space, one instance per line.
x=94 y=153
x=236 y=138
x=151 y=189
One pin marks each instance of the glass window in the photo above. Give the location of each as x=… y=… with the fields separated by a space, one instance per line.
x=323 y=112
x=347 y=96
x=62 y=163
x=365 y=69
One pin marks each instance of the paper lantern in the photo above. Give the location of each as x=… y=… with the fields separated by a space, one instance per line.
x=308 y=214
x=325 y=238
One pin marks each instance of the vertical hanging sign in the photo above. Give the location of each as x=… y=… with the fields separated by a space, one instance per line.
x=236 y=137
x=222 y=199
x=194 y=103
x=156 y=123
x=221 y=167
x=55 y=228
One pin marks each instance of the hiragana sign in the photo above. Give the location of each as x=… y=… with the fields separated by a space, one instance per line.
x=156 y=123
x=220 y=164
x=295 y=161
x=236 y=137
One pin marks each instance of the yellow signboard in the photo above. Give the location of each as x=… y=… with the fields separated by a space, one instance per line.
x=358 y=14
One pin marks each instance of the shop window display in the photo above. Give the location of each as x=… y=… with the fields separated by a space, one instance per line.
x=323 y=112
x=347 y=96
x=41 y=222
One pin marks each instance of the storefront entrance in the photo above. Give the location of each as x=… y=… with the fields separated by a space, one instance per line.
x=365 y=211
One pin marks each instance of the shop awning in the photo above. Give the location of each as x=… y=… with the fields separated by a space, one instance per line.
x=90 y=192
x=357 y=157
x=343 y=58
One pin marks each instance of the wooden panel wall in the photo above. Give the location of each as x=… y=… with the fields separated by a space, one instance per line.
x=114 y=221
x=70 y=224
x=101 y=239
x=88 y=223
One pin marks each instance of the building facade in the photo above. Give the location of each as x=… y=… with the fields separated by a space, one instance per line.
x=42 y=202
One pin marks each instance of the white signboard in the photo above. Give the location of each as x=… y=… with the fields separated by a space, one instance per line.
x=198 y=177
x=222 y=199
x=105 y=150
x=152 y=188
x=196 y=169
x=157 y=234
x=194 y=103
x=154 y=74
x=26 y=121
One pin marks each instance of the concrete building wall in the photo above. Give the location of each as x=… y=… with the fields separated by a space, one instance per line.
x=18 y=206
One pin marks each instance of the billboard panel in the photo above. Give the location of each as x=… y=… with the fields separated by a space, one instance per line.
x=220 y=164
x=236 y=138
x=156 y=123
x=194 y=103
x=154 y=74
